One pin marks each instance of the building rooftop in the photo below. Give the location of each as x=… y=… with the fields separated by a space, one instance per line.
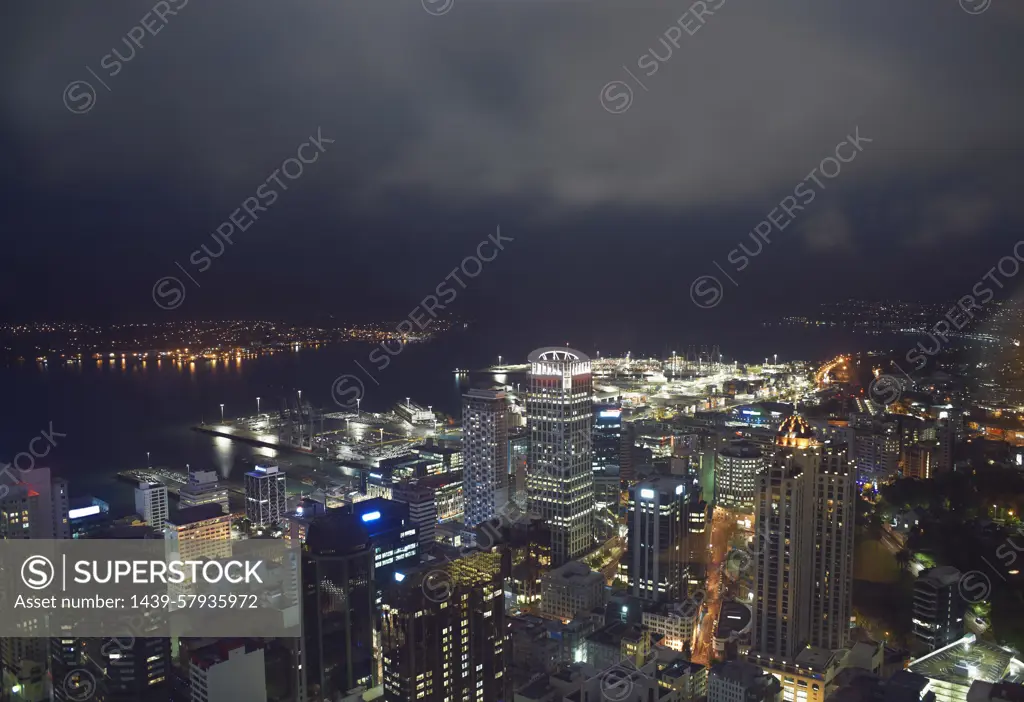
x=615 y=633
x=817 y=659
x=222 y=651
x=263 y=471
x=737 y=671
x=742 y=448
x=964 y=661
x=573 y=573
x=734 y=618
x=992 y=692
x=199 y=513
x=940 y=576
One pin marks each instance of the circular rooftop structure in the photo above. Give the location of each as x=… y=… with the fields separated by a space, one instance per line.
x=558 y=354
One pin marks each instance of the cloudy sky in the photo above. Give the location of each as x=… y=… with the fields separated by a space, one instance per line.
x=452 y=117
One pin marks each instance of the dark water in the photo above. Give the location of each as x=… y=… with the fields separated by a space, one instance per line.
x=113 y=413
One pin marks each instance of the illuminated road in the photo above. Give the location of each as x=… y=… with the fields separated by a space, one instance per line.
x=823 y=376
x=723 y=525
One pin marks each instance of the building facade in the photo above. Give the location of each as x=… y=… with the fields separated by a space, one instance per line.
x=266 y=501
x=560 y=418
x=607 y=454
x=200 y=532
x=151 y=504
x=451 y=642
x=939 y=608
x=655 y=565
x=203 y=488
x=804 y=523
x=228 y=670
x=484 y=455
x=736 y=467
x=740 y=681
x=572 y=588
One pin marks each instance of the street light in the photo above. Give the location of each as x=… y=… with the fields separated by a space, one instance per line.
x=499 y=359
x=257 y=408
x=222 y=413
x=147 y=459
x=358 y=400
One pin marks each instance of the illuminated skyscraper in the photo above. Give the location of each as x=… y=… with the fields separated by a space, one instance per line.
x=484 y=454
x=804 y=545
x=560 y=481
x=443 y=633
x=832 y=494
x=736 y=466
x=265 y=497
x=607 y=453
x=656 y=561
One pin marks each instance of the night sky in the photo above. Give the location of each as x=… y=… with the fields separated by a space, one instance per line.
x=450 y=120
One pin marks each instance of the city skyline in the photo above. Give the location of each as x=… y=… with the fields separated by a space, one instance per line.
x=512 y=351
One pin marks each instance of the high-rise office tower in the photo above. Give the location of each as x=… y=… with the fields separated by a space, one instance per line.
x=129 y=668
x=443 y=634
x=736 y=467
x=350 y=554
x=421 y=496
x=832 y=493
x=266 y=501
x=939 y=608
x=627 y=472
x=560 y=482
x=656 y=561
x=607 y=453
x=484 y=454
x=151 y=504
x=35 y=507
x=204 y=488
x=781 y=568
x=804 y=545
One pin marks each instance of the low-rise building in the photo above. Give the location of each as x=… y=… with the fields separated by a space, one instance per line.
x=229 y=670
x=675 y=622
x=952 y=669
x=810 y=677
x=740 y=681
x=199 y=532
x=572 y=588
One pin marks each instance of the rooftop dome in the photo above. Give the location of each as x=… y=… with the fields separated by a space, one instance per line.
x=795 y=431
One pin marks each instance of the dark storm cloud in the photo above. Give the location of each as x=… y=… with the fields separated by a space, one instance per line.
x=497 y=101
